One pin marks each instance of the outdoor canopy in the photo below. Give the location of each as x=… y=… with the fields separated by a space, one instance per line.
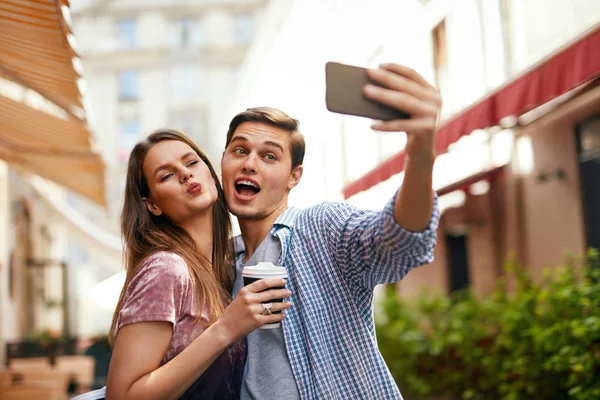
x=35 y=53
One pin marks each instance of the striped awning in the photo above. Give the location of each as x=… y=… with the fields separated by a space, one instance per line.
x=36 y=53
x=35 y=50
x=51 y=147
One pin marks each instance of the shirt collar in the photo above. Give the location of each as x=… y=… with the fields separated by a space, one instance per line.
x=287 y=218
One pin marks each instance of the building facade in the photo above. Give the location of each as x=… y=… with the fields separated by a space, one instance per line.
x=160 y=63
x=45 y=150
x=504 y=189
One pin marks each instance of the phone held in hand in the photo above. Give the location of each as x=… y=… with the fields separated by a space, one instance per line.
x=344 y=94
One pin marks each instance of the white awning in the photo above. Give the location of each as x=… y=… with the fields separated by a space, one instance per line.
x=36 y=55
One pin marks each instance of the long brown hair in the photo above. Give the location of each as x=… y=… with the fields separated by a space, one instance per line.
x=145 y=234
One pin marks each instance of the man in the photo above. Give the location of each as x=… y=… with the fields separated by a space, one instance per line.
x=334 y=254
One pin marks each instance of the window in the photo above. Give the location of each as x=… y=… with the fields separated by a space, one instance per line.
x=76 y=253
x=243 y=29
x=128 y=85
x=126 y=36
x=130 y=134
x=187 y=33
x=187 y=125
x=192 y=123
x=184 y=81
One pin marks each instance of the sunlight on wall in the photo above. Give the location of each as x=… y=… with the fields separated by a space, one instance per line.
x=525 y=157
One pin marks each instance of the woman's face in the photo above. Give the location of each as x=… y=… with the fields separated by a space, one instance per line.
x=181 y=186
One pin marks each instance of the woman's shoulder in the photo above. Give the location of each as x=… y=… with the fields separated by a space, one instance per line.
x=165 y=263
x=164 y=257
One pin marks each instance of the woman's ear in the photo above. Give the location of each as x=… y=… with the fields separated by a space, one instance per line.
x=153 y=208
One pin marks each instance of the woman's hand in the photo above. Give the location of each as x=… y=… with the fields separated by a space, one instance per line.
x=245 y=313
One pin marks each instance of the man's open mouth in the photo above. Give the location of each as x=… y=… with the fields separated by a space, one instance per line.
x=246 y=188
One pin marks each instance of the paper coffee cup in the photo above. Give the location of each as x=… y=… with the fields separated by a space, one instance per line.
x=265 y=270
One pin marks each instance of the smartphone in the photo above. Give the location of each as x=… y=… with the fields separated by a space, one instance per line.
x=344 y=94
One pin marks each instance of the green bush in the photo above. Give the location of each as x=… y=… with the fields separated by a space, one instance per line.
x=535 y=341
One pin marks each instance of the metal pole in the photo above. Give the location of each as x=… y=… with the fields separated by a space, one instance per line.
x=65 y=300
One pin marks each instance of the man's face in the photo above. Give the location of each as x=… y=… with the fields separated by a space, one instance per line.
x=257 y=171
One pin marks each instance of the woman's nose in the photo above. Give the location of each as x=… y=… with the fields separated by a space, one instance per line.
x=185 y=175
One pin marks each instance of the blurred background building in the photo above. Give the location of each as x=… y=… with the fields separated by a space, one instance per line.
x=146 y=65
x=519 y=137
x=158 y=63
x=46 y=150
x=519 y=130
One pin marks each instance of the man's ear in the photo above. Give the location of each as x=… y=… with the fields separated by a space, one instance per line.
x=295 y=177
x=153 y=208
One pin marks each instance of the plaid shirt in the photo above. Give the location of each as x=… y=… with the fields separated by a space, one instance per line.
x=335 y=254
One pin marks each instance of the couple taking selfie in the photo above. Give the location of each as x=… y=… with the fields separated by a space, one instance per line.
x=187 y=326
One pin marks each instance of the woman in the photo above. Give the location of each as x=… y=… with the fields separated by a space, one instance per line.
x=173 y=333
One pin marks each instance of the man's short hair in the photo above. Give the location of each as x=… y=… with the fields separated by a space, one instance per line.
x=276 y=118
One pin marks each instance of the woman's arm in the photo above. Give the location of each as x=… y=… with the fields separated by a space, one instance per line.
x=135 y=371
x=139 y=348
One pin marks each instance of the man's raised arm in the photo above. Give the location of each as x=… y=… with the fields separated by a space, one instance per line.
x=408 y=91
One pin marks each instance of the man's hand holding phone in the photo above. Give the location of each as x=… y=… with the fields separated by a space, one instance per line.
x=397 y=95
x=404 y=102
x=402 y=88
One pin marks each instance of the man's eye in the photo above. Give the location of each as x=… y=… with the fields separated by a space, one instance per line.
x=270 y=157
x=239 y=151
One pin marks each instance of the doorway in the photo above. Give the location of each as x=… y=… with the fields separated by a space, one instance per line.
x=588 y=144
x=458 y=261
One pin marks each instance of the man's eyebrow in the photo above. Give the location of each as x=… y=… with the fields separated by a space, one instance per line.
x=275 y=144
x=238 y=139
x=268 y=142
x=167 y=165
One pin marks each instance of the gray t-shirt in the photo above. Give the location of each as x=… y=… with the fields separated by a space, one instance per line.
x=268 y=373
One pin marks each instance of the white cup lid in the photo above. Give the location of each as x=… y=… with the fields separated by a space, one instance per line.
x=264 y=270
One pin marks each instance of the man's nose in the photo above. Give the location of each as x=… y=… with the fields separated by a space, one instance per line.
x=250 y=165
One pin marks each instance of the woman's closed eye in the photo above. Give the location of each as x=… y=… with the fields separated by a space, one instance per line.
x=165 y=177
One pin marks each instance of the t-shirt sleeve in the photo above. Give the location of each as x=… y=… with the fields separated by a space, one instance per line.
x=157 y=292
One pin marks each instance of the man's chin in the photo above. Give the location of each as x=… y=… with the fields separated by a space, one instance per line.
x=249 y=215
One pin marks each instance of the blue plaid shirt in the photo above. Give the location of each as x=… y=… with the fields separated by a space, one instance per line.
x=335 y=254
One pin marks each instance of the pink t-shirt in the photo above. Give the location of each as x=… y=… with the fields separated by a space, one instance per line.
x=163 y=290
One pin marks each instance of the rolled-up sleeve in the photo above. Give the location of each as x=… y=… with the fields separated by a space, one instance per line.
x=371 y=248
x=417 y=246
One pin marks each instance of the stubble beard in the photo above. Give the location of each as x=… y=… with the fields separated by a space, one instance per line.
x=250 y=216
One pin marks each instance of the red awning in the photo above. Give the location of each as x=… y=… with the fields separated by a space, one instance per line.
x=548 y=79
